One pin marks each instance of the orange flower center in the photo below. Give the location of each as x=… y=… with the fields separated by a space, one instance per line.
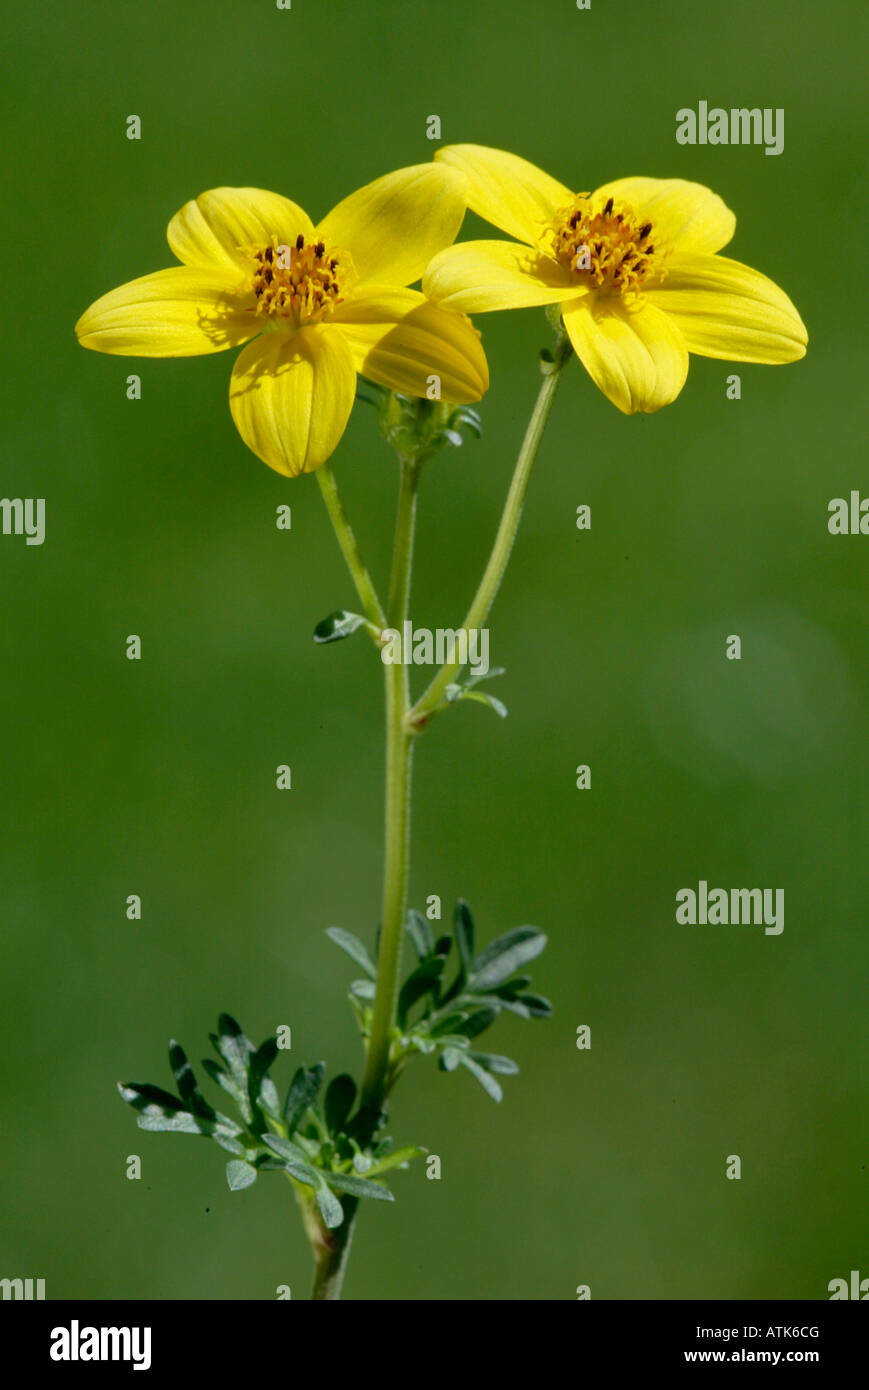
x=303 y=282
x=607 y=248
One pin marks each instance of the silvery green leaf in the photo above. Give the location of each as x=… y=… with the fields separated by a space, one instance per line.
x=463 y=930
x=537 y=1006
x=503 y=957
x=223 y=1079
x=182 y=1122
x=491 y=1061
x=261 y=1088
x=400 y=1158
x=142 y=1095
x=358 y=1187
x=363 y=989
x=455 y=692
x=236 y=1051
x=330 y=1208
x=231 y=1144
x=338 y=625
x=354 y=948
x=420 y=934
x=186 y=1082
x=239 y=1175
x=496 y=1002
x=474 y=678
x=449 y=1059
x=284 y=1148
x=486 y=1080
x=304 y=1089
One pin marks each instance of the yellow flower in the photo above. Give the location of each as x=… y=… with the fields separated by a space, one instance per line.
x=632 y=265
x=321 y=303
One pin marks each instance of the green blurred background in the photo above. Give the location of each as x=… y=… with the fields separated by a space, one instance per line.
x=603 y=1168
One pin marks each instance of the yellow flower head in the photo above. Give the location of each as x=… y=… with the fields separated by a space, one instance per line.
x=321 y=304
x=632 y=265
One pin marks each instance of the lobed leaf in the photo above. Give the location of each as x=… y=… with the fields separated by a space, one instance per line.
x=358 y=1187
x=185 y=1080
x=304 y=1090
x=503 y=957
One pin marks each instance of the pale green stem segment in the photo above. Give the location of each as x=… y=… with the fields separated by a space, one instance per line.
x=494 y=572
x=331 y=1250
x=331 y=1263
x=350 y=547
x=399 y=742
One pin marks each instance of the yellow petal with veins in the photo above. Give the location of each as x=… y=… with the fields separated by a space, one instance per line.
x=217 y=228
x=393 y=226
x=636 y=356
x=400 y=339
x=690 y=216
x=476 y=276
x=177 y=312
x=291 y=397
x=727 y=310
x=508 y=191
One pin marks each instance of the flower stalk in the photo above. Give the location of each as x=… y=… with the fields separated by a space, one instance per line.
x=490 y=583
x=350 y=547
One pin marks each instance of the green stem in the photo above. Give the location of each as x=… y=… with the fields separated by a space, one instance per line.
x=399 y=743
x=494 y=572
x=331 y=1249
x=350 y=547
x=330 y=1262
x=402 y=557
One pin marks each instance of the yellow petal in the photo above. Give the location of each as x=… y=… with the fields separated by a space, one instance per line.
x=211 y=229
x=173 y=313
x=508 y=191
x=636 y=356
x=291 y=397
x=400 y=339
x=724 y=309
x=690 y=216
x=393 y=226
x=476 y=276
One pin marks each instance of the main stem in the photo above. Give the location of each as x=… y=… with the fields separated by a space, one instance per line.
x=402 y=725
x=332 y=1249
x=494 y=572
x=399 y=746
